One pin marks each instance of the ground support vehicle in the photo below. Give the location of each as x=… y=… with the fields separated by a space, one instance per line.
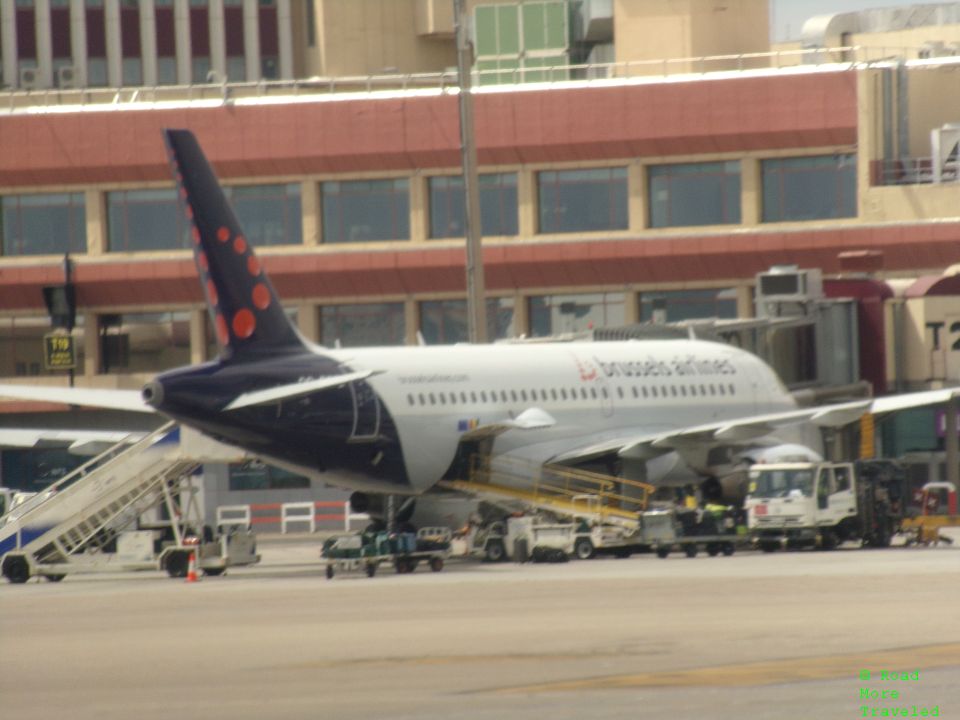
x=523 y=539
x=365 y=553
x=689 y=530
x=823 y=504
x=91 y=520
x=924 y=529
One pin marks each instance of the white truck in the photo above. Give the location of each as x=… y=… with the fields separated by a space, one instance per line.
x=524 y=538
x=824 y=504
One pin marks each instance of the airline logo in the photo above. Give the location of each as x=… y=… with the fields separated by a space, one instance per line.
x=678 y=366
x=467 y=425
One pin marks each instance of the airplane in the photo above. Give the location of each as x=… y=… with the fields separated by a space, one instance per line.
x=386 y=421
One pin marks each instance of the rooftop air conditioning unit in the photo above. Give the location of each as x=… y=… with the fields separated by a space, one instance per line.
x=787 y=290
x=29 y=78
x=66 y=77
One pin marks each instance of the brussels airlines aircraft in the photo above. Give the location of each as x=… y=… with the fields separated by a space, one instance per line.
x=393 y=420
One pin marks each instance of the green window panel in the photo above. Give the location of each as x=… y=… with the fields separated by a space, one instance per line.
x=497 y=30
x=545 y=25
x=499 y=71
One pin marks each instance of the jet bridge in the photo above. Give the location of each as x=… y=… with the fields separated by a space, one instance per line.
x=68 y=527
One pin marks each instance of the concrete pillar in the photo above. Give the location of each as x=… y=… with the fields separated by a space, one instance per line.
x=111 y=20
x=148 y=42
x=78 y=41
x=308 y=321
x=91 y=344
x=521 y=315
x=96 y=214
x=41 y=29
x=198 y=336
x=311 y=212
x=181 y=31
x=636 y=196
x=631 y=306
x=419 y=212
x=411 y=321
x=218 y=40
x=8 y=28
x=285 y=39
x=251 y=39
x=527 y=204
x=751 y=192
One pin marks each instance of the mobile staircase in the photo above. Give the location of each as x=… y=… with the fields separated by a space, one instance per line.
x=69 y=527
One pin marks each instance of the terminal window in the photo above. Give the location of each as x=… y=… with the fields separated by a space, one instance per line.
x=582 y=200
x=362 y=324
x=43 y=224
x=269 y=214
x=498 y=205
x=145 y=220
x=809 y=188
x=694 y=194
x=362 y=210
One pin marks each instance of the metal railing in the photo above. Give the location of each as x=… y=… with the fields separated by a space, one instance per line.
x=911 y=171
x=226 y=92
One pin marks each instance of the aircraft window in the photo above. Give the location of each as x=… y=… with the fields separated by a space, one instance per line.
x=453 y=398
x=693 y=390
x=503 y=395
x=713 y=390
x=703 y=390
x=593 y=393
x=635 y=393
x=433 y=399
x=573 y=393
x=721 y=390
x=483 y=396
x=683 y=390
x=473 y=396
x=563 y=393
x=523 y=395
x=603 y=390
x=410 y=399
x=653 y=391
x=733 y=389
x=443 y=398
x=513 y=395
x=423 y=400
x=673 y=390
x=644 y=390
x=553 y=393
x=619 y=392
x=583 y=393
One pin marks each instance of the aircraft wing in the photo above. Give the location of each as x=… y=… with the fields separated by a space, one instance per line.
x=88 y=397
x=79 y=442
x=645 y=445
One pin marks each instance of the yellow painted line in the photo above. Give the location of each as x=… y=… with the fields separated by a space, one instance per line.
x=769 y=673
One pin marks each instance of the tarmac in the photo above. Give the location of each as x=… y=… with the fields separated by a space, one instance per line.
x=786 y=635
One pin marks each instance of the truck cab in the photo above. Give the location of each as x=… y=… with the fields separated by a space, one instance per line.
x=800 y=504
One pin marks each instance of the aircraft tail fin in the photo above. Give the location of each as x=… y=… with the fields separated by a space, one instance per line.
x=246 y=313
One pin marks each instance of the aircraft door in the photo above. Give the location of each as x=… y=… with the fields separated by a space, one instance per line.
x=366 y=411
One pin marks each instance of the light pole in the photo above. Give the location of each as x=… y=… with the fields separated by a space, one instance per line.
x=476 y=308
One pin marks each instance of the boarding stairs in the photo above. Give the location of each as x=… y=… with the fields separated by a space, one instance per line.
x=70 y=522
x=567 y=492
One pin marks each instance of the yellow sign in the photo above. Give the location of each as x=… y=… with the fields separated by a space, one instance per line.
x=59 y=352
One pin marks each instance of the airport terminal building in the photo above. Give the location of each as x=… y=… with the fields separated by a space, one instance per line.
x=618 y=184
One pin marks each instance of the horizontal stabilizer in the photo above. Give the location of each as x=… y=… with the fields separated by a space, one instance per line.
x=129 y=400
x=292 y=390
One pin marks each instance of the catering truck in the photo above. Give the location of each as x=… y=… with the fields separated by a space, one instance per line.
x=824 y=504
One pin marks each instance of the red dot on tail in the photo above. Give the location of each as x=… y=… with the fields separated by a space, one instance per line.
x=253 y=265
x=202 y=261
x=196 y=235
x=213 y=296
x=261 y=296
x=223 y=234
x=189 y=212
x=244 y=323
x=240 y=245
x=223 y=336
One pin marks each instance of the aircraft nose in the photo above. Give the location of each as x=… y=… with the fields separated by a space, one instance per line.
x=152 y=394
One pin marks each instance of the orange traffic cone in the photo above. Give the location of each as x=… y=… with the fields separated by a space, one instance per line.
x=192 y=569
